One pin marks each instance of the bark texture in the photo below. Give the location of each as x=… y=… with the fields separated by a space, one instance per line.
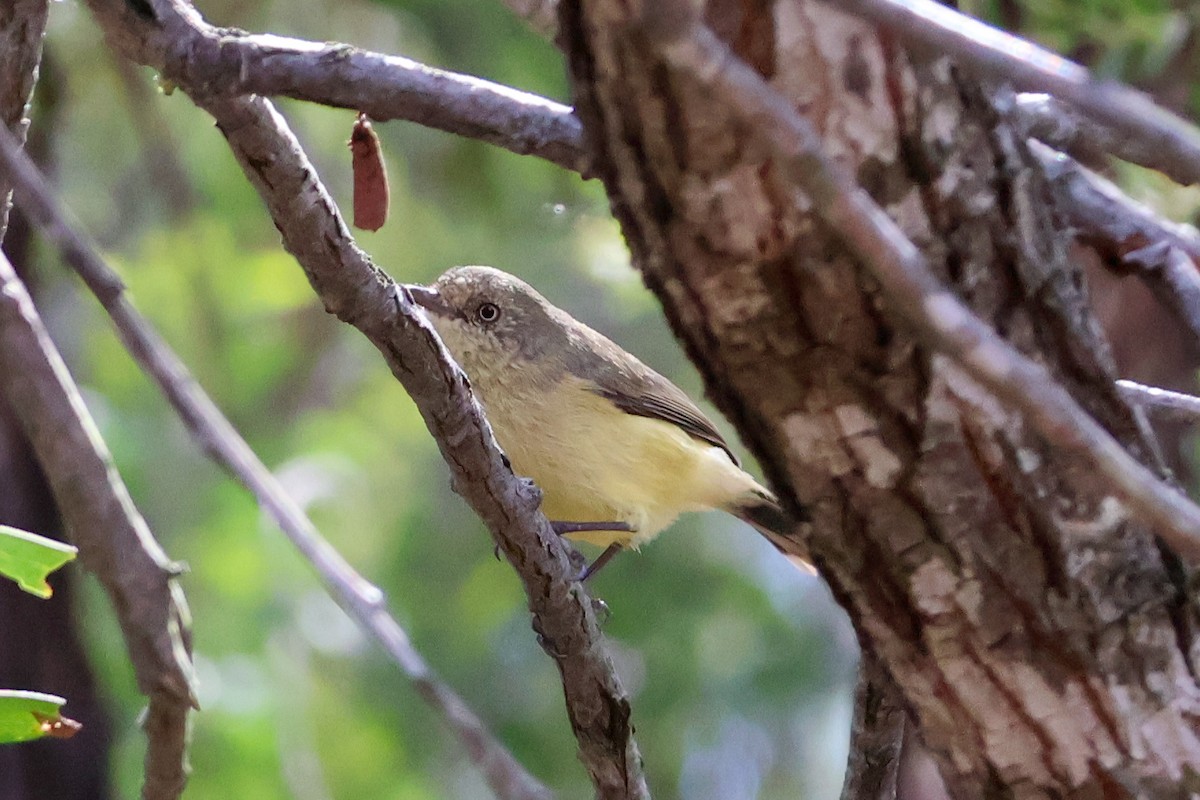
x=1042 y=639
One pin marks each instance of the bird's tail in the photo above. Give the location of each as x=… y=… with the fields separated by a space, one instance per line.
x=762 y=511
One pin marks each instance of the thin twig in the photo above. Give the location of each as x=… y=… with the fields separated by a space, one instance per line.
x=114 y=541
x=876 y=735
x=1104 y=215
x=1133 y=120
x=936 y=313
x=1163 y=403
x=1131 y=237
x=363 y=601
x=351 y=287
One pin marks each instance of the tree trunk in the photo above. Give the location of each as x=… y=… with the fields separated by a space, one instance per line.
x=1043 y=641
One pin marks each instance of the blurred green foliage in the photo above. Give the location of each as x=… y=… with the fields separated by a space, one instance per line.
x=740 y=667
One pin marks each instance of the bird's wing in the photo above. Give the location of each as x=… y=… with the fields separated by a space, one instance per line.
x=648 y=394
x=634 y=387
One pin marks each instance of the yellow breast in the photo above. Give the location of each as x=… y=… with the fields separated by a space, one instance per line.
x=596 y=463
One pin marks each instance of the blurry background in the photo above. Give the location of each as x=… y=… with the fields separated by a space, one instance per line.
x=740 y=668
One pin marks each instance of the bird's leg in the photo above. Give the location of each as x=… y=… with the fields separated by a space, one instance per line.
x=600 y=561
x=562 y=528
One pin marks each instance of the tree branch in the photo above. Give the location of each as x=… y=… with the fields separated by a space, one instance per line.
x=217 y=436
x=1131 y=118
x=941 y=318
x=358 y=293
x=1164 y=403
x=213 y=62
x=113 y=539
x=1162 y=254
x=387 y=87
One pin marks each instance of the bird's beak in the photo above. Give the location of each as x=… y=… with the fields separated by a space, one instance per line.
x=429 y=299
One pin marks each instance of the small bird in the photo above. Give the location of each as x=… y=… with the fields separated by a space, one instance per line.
x=617 y=449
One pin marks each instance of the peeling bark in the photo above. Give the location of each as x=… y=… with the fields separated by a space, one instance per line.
x=1042 y=638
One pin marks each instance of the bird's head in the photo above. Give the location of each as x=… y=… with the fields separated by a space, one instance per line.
x=488 y=318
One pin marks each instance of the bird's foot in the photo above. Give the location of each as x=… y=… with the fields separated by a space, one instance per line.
x=562 y=528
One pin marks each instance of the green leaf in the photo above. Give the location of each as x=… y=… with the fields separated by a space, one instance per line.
x=28 y=558
x=32 y=715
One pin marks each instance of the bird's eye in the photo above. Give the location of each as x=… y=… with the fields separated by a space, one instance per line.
x=488 y=312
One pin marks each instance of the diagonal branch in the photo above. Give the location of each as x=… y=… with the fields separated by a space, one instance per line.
x=1103 y=214
x=1128 y=114
x=352 y=288
x=221 y=441
x=935 y=312
x=114 y=541
x=1163 y=403
x=358 y=293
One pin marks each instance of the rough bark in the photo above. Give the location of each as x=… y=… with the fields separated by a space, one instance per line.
x=1041 y=637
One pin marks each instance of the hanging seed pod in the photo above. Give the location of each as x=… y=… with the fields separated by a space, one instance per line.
x=371 y=196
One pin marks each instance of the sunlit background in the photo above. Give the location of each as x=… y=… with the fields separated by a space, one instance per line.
x=739 y=666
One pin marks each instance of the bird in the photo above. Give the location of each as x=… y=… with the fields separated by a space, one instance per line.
x=618 y=450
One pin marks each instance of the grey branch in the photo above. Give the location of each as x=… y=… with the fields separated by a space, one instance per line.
x=363 y=601
x=1163 y=403
x=1162 y=254
x=114 y=541
x=214 y=62
x=937 y=314
x=1131 y=118
x=359 y=293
